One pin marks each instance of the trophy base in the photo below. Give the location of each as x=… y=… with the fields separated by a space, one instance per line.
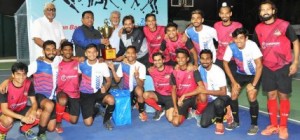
x=108 y=54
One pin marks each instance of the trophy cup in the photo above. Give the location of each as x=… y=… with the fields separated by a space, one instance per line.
x=108 y=53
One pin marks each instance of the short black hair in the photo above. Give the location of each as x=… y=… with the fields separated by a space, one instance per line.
x=87 y=12
x=206 y=51
x=131 y=47
x=150 y=15
x=91 y=46
x=158 y=54
x=66 y=43
x=48 y=42
x=201 y=13
x=171 y=24
x=130 y=17
x=19 y=66
x=184 y=51
x=238 y=31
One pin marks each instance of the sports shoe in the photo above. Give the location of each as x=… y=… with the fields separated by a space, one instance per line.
x=283 y=133
x=191 y=114
x=59 y=128
x=108 y=125
x=232 y=126
x=2 y=136
x=253 y=130
x=219 y=129
x=143 y=116
x=198 y=120
x=42 y=137
x=29 y=134
x=158 y=115
x=270 y=130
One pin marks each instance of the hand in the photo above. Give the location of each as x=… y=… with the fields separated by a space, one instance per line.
x=4 y=87
x=103 y=90
x=26 y=120
x=81 y=59
x=41 y=58
x=175 y=112
x=250 y=87
x=184 y=38
x=111 y=65
x=125 y=60
x=101 y=60
x=136 y=72
x=293 y=69
x=32 y=116
x=180 y=100
x=235 y=88
x=104 y=41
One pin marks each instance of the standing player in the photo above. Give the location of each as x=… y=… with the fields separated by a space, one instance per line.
x=247 y=56
x=202 y=36
x=92 y=88
x=186 y=89
x=67 y=88
x=133 y=75
x=161 y=75
x=275 y=36
x=13 y=103
x=174 y=41
x=154 y=35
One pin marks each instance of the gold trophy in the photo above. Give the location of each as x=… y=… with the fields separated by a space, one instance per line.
x=108 y=53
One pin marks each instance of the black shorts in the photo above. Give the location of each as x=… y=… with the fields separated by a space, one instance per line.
x=232 y=65
x=277 y=80
x=165 y=101
x=40 y=98
x=73 y=106
x=245 y=79
x=24 y=111
x=187 y=103
x=87 y=103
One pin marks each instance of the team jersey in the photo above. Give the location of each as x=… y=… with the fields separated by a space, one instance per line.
x=126 y=71
x=169 y=47
x=275 y=42
x=213 y=79
x=92 y=76
x=68 y=78
x=224 y=34
x=185 y=81
x=244 y=58
x=17 y=97
x=203 y=39
x=161 y=80
x=44 y=76
x=154 y=39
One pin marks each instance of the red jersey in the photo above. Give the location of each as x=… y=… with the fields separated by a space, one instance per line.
x=224 y=34
x=17 y=97
x=161 y=80
x=154 y=39
x=275 y=45
x=68 y=78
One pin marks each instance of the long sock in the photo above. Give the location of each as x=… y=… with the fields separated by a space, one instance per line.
x=284 y=112
x=235 y=110
x=26 y=127
x=153 y=104
x=59 y=112
x=108 y=112
x=4 y=130
x=182 y=119
x=66 y=116
x=254 y=112
x=42 y=130
x=200 y=107
x=141 y=107
x=272 y=107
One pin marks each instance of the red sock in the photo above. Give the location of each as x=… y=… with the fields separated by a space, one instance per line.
x=182 y=119
x=151 y=102
x=59 y=112
x=4 y=130
x=284 y=112
x=66 y=116
x=200 y=107
x=26 y=127
x=272 y=107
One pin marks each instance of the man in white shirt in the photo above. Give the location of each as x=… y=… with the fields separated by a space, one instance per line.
x=45 y=28
x=115 y=21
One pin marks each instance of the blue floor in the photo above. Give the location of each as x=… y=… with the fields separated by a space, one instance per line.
x=158 y=130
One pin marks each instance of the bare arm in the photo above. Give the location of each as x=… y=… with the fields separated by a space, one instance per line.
x=294 y=66
x=38 y=41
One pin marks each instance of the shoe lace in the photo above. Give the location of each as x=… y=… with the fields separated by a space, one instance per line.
x=29 y=132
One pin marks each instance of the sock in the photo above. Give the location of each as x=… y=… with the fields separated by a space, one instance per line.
x=26 y=127
x=4 y=130
x=200 y=107
x=182 y=119
x=66 y=116
x=254 y=112
x=59 y=112
x=235 y=110
x=42 y=130
x=284 y=112
x=272 y=107
x=151 y=102
x=141 y=107
x=108 y=112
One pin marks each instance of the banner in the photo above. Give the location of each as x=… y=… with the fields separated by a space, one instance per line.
x=68 y=12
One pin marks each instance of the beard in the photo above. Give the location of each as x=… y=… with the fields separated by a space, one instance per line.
x=50 y=58
x=266 y=18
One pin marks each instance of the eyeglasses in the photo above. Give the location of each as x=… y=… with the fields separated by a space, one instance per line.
x=51 y=9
